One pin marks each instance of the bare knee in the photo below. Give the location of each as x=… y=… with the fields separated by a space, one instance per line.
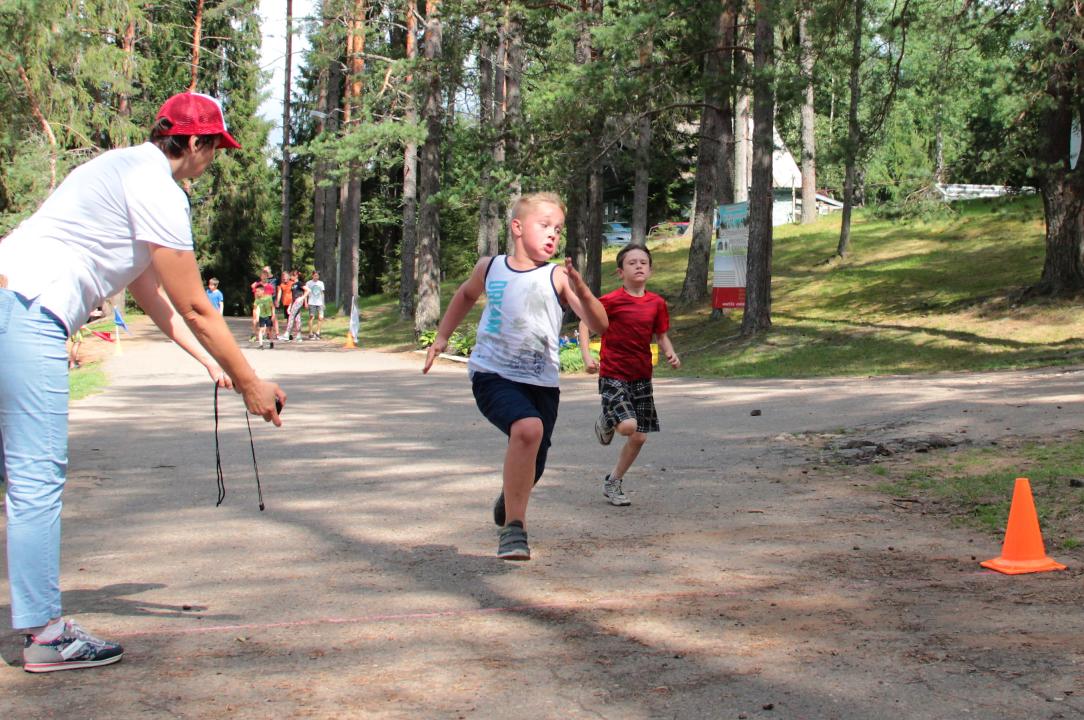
x=627 y=427
x=526 y=432
x=638 y=439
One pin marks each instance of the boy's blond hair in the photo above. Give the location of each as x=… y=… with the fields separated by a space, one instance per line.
x=529 y=202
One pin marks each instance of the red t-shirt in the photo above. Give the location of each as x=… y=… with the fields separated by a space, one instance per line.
x=626 y=345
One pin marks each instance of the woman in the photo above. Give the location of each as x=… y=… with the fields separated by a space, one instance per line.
x=117 y=221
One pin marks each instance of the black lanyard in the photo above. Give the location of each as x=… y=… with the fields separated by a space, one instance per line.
x=218 y=458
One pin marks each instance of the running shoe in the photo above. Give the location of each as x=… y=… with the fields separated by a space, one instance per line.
x=498 y=510
x=73 y=649
x=611 y=489
x=513 y=544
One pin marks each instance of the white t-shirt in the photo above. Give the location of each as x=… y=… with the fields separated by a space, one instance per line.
x=316 y=292
x=89 y=239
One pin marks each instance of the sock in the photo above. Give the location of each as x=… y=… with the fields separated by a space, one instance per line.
x=51 y=632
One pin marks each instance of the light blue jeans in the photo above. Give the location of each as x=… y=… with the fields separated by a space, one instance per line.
x=33 y=453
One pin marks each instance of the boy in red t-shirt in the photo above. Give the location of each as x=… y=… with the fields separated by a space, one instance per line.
x=628 y=404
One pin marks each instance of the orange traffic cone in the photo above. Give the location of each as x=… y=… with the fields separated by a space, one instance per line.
x=349 y=344
x=1023 y=550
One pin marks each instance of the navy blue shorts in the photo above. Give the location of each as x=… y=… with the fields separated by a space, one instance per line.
x=504 y=401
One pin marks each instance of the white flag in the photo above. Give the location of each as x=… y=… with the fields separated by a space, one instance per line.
x=354 y=320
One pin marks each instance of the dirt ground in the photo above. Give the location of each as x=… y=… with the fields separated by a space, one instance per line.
x=748 y=579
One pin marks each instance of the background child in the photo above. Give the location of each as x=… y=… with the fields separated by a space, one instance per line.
x=514 y=366
x=263 y=312
x=215 y=295
x=315 y=286
x=284 y=298
x=628 y=402
x=300 y=295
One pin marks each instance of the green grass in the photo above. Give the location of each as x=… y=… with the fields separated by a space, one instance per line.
x=912 y=297
x=975 y=485
x=86 y=380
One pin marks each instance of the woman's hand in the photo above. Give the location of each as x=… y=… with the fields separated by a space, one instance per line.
x=260 y=399
x=218 y=375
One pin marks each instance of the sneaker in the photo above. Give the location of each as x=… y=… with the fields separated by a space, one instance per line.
x=253 y=339
x=603 y=431
x=261 y=345
x=498 y=510
x=513 y=545
x=611 y=489
x=75 y=648
x=298 y=339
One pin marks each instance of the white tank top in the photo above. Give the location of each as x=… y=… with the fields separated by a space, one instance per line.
x=518 y=333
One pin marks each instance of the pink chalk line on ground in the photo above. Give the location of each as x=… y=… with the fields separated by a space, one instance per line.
x=564 y=606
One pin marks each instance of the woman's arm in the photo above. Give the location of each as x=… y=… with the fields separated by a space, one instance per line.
x=149 y=296
x=179 y=277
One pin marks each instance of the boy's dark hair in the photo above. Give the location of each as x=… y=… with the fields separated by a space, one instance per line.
x=175 y=145
x=629 y=248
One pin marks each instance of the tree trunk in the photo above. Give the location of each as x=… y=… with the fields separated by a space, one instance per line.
x=349 y=240
x=350 y=228
x=408 y=250
x=758 y=284
x=853 y=135
x=124 y=106
x=743 y=144
x=428 y=311
x=695 y=288
x=593 y=228
x=641 y=184
x=197 y=39
x=287 y=237
x=576 y=223
x=809 y=151
x=513 y=109
x=725 y=188
x=326 y=201
x=1062 y=185
x=485 y=129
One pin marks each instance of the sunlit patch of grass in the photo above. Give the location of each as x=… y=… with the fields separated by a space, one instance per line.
x=86 y=380
x=976 y=484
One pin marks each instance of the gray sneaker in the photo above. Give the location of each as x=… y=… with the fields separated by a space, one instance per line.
x=75 y=648
x=513 y=544
x=611 y=489
x=603 y=430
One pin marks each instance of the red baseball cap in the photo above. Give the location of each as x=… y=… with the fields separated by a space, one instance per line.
x=196 y=114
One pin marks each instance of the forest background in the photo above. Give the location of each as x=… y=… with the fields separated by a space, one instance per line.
x=412 y=127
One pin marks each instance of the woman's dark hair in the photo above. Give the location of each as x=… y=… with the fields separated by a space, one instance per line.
x=627 y=249
x=175 y=145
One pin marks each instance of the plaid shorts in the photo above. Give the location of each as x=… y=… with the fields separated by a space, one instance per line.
x=624 y=400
